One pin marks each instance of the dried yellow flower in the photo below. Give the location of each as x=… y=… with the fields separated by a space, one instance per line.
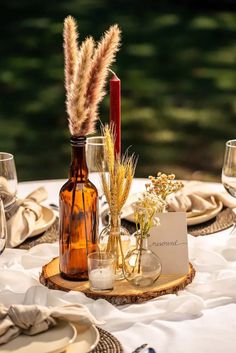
x=163 y=185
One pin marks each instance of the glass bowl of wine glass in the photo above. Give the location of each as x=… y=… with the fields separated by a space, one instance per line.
x=229 y=168
x=8 y=180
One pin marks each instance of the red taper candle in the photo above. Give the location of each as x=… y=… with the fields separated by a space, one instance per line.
x=115 y=111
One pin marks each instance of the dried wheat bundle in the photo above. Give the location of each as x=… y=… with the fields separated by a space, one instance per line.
x=117 y=182
x=86 y=70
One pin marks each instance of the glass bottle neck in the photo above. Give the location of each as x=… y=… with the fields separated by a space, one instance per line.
x=145 y=243
x=78 y=168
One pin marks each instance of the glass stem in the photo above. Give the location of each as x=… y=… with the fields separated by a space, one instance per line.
x=140 y=252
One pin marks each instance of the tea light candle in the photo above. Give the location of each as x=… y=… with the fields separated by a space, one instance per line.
x=101 y=278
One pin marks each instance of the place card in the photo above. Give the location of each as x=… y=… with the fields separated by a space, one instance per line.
x=169 y=242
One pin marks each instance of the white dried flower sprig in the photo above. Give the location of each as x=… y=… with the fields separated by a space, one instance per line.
x=145 y=210
x=153 y=201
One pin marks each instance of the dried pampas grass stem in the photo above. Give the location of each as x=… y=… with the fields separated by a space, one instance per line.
x=103 y=58
x=70 y=51
x=76 y=102
x=86 y=70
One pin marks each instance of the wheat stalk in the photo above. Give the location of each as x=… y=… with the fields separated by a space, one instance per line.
x=129 y=168
x=109 y=149
x=117 y=185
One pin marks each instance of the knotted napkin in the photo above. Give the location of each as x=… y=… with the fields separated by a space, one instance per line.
x=33 y=319
x=23 y=217
x=195 y=198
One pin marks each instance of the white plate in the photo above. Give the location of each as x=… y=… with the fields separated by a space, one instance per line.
x=55 y=340
x=44 y=222
x=206 y=216
x=86 y=340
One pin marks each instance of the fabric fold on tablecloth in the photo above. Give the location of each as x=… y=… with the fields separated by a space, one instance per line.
x=24 y=215
x=33 y=319
x=215 y=279
x=214 y=285
x=202 y=313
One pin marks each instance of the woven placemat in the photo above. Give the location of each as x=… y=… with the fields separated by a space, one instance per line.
x=50 y=236
x=225 y=219
x=107 y=343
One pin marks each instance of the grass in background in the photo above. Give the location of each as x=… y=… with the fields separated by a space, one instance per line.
x=177 y=67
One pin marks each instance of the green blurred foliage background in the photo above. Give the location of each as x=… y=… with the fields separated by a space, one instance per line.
x=176 y=64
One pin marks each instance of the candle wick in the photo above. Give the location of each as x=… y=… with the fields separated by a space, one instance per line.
x=113 y=73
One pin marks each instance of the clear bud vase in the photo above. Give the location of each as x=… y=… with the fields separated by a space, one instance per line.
x=115 y=239
x=142 y=267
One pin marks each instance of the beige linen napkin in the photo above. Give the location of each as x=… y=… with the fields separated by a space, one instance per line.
x=25 y=214
x=195 y=199
x=33 y=319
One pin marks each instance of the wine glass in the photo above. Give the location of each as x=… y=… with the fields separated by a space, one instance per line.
x=8 y=180
x=229 y=171
x=3 y=227
x=8 y=189
x=95 y=149
x=95 y=152
x=229 y=168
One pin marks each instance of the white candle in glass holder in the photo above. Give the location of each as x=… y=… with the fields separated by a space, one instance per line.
x=102 y=278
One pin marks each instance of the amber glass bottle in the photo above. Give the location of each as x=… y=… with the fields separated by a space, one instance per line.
x=78 y=216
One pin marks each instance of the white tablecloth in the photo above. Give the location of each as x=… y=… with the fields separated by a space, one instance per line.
x=201 y=318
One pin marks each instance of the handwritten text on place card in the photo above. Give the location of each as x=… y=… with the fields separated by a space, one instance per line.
x=169 y=242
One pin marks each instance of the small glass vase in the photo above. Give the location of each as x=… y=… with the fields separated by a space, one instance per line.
x=142 y=267
x=115 y=239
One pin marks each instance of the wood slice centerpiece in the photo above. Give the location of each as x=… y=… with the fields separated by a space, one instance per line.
x=123 y=292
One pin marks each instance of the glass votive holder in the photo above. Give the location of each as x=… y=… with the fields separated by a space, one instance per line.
x=101 y=271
